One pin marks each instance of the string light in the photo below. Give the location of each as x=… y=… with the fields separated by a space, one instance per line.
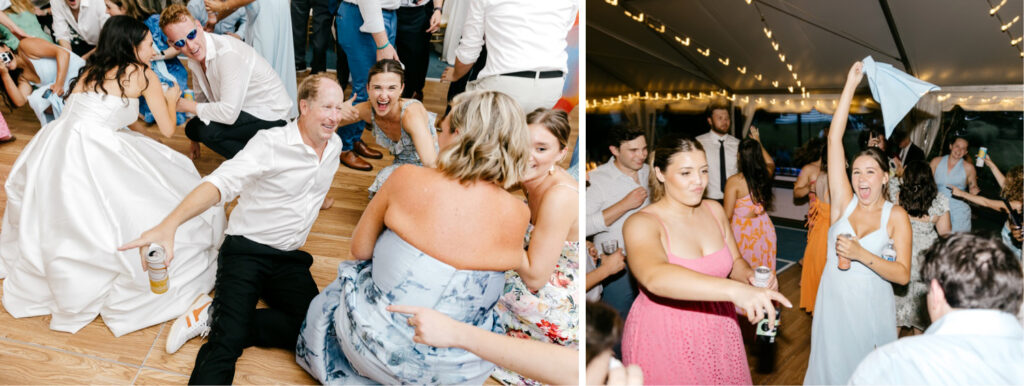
x=990 y=12
x=742 y=70
x=1005 y=26
x=724 y=62
x=774 y=43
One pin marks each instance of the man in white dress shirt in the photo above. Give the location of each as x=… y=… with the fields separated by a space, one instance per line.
x=526 y=43
x=77 y=24
x=281 y=177
x=617 y=189
x=721 y=148
x=975 y=290
x=239 y=92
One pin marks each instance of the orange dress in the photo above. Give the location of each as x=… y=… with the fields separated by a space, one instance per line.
x=814 y=254
x=754 y=233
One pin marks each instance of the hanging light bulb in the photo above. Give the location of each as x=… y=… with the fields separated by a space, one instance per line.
x=996 y=8
x=775 y=45
x=724 y=62
x=790 y=89
x=782 y=57
x=789 y=66
x=612 y=2
x=1007 y=25
x=742 y=70
x=758 y=77
x=767 y=32
x=1015 y=41
x=775 y=83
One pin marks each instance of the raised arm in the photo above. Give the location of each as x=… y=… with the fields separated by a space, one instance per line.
x=995 y=171
x=840 y=192
x=546 y=362
x=415 y=123
x=555 y=218
x=647 y=261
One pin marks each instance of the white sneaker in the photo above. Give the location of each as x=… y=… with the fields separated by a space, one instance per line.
x=195 y=322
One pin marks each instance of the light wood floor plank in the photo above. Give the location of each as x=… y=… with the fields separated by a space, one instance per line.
x=22 y=363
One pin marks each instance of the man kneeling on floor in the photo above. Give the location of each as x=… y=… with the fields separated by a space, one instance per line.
x=285 y=173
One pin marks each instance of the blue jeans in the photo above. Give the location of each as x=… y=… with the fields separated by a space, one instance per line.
x=362 y=54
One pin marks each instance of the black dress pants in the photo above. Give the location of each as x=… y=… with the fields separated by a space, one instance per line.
x=412 y=42
x=227 y=140
x=246 y=272
x=319 y=38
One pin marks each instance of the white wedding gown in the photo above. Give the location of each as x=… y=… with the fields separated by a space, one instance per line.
x=83 y=186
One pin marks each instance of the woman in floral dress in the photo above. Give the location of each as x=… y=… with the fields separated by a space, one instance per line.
x=541 y=298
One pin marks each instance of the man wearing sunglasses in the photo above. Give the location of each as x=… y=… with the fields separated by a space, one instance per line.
x=239 y=92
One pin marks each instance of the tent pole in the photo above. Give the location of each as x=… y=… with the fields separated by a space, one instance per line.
x=896 y=36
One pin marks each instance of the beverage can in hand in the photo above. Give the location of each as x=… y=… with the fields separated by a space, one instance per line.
x=158 y=278
x=844 y=263
x=190 y=95
x=762 y=275
x=982 y=153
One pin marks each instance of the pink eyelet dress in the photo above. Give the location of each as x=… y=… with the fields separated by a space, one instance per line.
x=687 y=342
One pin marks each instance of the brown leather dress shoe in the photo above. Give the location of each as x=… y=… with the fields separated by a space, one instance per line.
x=351 y=160
x=366 y=151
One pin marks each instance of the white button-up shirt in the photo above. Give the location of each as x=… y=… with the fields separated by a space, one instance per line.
x=609 y=185
x=237 y=79
x=91 y=16
x=965 y=347
x=370 y=10
x=280 y=184
x=711 y=143
x=522 y=35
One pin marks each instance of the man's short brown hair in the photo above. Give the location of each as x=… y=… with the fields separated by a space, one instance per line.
x=174 y=13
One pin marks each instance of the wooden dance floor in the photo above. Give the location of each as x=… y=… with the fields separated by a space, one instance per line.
x=30 y=353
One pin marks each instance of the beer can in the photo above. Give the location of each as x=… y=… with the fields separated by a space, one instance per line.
x=158 y=277
x=982 y=153
x=190 y=95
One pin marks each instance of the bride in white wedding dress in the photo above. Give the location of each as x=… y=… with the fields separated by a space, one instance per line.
x=85 y=185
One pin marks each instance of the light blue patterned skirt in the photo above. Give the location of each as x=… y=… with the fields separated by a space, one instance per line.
x=350 y=338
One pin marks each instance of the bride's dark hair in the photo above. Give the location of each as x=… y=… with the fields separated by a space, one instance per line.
x=118 y=40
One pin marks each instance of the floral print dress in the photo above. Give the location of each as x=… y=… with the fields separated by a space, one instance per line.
x=549 y=315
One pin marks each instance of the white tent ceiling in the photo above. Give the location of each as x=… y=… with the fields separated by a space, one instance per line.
x=945 y=42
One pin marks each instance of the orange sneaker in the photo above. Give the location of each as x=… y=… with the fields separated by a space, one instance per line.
x=194 y=322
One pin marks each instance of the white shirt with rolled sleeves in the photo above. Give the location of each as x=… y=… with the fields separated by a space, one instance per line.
x=237 y=79
x=710 y=142
x=92 y=14
x=280 y=184
x=965 y=347
x=609 y=185
x=522 y=35
x=370 y=10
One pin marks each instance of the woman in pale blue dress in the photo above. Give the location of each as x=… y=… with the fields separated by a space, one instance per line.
x=855 y=309
x=435 y=238
x=269 y=31
x=951 y=170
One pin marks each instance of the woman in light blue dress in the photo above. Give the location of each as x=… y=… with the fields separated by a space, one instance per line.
x=855 y=309
x=435 y=238
x=269 y=31
x=951 y=170
x=39 y=73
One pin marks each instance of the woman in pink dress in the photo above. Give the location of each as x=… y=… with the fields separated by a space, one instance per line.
x=682 y=328
x=748 y=197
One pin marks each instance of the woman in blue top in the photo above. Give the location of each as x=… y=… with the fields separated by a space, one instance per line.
x=855 y=310
x=951 y=169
